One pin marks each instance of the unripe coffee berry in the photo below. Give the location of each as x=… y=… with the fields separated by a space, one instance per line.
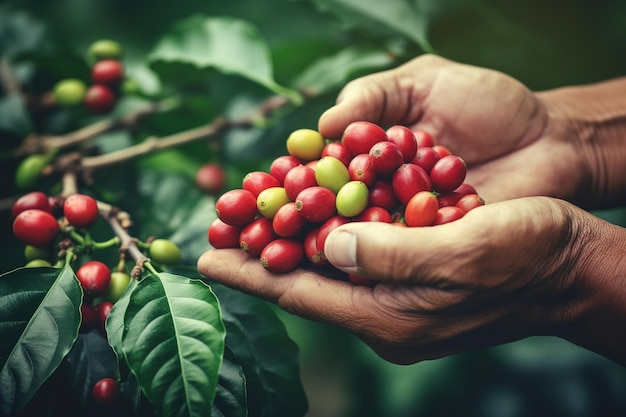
x=69 y=92
x=331 y=173
x=305 y=144
x=270 y=200
x=165 y=252
x=352 y=199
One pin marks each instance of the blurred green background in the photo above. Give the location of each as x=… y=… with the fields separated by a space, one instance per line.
x=545 y=44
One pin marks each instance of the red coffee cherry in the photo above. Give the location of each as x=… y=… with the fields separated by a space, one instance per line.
x=287 y=221
x=448 y=214
x=236 y=207
x=106 y=392
x=360 y=136
x=311 y=251
x=103 y=309
x=89 y=318
x=386 y=157
x=107 y=71
x=298 y=179
x=33 y=200
x=222 y=235
x=405 y=139
x=282 y=255
x=36 y=228
x=257 y=181
x=211 y=178
x=374 y=214
x=470 y=201
x=327 y=227
x=100 y=99
x=423 y=139
x=409 y=180
x=441 y=150
x=448 y=173
x=425 y=158
x=316 y=204
x=256 y=235
x=94 y=277
x=421 y=209
x=382 y=195
x=80 y=210
x=282 y=165
x=361 y=168
x=337 y=150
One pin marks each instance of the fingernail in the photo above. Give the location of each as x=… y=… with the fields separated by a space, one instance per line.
x=340 y=250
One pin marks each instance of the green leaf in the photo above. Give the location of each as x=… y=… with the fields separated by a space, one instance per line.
x=228 y=44
x=270 y=359
x=39 y=321
x=404 y=17
x=329 y=73
x=173 y=343
x=230 y=397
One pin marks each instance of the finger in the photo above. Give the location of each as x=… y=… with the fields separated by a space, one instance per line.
x=301 y=292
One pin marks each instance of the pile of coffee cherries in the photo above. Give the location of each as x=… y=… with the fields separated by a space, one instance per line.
x=397 y=176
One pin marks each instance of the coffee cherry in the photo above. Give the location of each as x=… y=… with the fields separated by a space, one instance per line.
x=327 y=227
x=305 y=144
x=36 y=228
x=33 y=200
x=211 y=178
x=89 y=318
x=374 y=214
x=106 y=392
x=331 y=173
x=316 y=204
x=352 y=198
x=100 y=99
x=107 y=71
x=29 y=171
x=94 y=278
x=361 y=168
x=405 y=139
x=31 y=253
x=386 y=157
x=81 y=210
x=470 y=201
x=287 y=221
x=408 y=180
x=257 y=181
x=448 y=173
x=442 y=151
x=37 y=263
x=103 y=309
x=282 y=255
x=69 y=92
x=311 y=251
x=448 y=214
x=337 y=150
x=421 y=209
x=270 y=200
x=165 y=252
x=360 y=136
x=118 y=284
x=425 y=158
x=282 y=165
x=298 y=179
x=222 y=235
x=256 y=235
x=105 y=49
x=381 y=194
x=236 y=207
x=423 y=139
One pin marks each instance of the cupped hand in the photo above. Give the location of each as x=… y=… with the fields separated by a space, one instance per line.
x=503 y=272
x=494 y=122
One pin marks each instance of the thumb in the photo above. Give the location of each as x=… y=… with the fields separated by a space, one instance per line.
x=378 y=251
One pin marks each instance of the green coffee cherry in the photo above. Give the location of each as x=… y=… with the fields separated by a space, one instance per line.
x=29 y=171
x=164 y=251
x=352 y=199
x=331 y=173
x=32 y=252
x=105 y=49
x=118 y=284
x=69 y=92
x=38 y=263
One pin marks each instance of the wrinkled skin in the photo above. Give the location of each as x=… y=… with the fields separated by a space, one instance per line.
x=527 y=263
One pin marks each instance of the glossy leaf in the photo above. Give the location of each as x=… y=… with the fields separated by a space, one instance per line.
x=334 y=72
x=39 y=321
x=230 y=45
x=173 y=342
x=270 y=359
x=230 y=397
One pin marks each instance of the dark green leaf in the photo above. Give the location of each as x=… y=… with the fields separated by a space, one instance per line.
x=173 y=342
x=333 y=72
x=230 y=45
x=270 y=359
x=19 y=32
x=230 y=397
x=39 y=321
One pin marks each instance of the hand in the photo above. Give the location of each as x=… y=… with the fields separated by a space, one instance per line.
x=496 y=124
x=503 y=272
